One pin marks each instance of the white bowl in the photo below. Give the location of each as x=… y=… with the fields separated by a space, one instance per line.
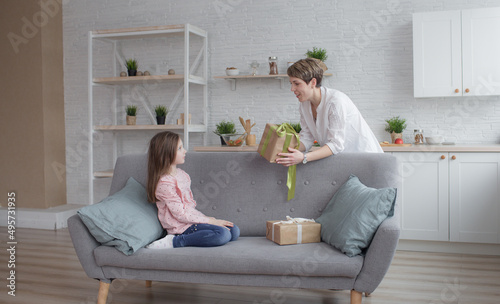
x=232 y=72
x=434 y=140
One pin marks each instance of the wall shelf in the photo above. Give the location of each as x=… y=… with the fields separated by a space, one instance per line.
x=280 y=77
x=146 y=79
x=192 y=127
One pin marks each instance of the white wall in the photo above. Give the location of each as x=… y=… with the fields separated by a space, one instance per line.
x=370 y=55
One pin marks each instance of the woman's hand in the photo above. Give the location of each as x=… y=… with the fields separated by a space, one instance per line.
x=289 y=159
x=222 y=223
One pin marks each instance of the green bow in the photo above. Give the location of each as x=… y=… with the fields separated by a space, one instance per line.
x=285 y=129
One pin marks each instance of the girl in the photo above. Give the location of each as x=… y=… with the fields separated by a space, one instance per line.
x=170 y=188
x=326 y=115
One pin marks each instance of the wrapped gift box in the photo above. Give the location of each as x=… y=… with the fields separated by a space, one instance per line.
x=293 y=233
x=277 y=139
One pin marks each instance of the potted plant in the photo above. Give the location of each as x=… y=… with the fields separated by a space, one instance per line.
x=131 y=65
x=395 y=127
x=320 y=54
x=131 y=111
x=296 y=126
x=224 y=128
x=161 y=113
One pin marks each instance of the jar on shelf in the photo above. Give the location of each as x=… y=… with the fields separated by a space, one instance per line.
x=418 y=134
x=273 y=65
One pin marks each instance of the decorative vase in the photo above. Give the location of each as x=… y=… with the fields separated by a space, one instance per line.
x=251 y=139
x=323 y=65
x=131 y=120
x=222 y=141
x=395 y=136
x=132 y=72
x=160 y=120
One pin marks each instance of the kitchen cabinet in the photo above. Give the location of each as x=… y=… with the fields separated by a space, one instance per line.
x=455 y=53
x=450 y=196
x=185 y=43
x=475 y=197
x=424 y=195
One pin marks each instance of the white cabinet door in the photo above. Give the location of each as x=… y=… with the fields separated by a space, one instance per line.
x=475 y=197
x=437 y=54
x=424 y=196
x=481 y=49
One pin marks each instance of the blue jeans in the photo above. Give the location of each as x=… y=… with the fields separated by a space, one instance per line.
x=206 y=235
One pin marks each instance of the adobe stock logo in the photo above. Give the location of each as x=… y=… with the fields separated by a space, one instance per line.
x=30 y=28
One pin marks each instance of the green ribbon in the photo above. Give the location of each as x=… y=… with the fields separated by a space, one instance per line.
x=288 y=131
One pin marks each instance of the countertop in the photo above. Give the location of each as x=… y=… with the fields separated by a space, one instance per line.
x=412 y=148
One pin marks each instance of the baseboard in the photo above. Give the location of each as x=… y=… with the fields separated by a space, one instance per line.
x=49 y=219
x=449 y=247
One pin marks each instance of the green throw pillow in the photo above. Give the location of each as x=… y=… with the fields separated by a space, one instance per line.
x=353 y=215
x=125 y=220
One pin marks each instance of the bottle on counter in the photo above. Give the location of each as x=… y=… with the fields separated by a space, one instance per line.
x=273 y=65
x=418 y=134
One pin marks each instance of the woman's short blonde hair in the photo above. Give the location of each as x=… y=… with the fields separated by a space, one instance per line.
x=307 y=69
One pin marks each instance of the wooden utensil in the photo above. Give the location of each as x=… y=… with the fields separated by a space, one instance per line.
x=250 y=138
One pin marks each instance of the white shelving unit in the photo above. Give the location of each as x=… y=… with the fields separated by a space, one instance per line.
x=190 y=77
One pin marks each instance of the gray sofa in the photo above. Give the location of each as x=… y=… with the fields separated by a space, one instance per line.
x=246 y=189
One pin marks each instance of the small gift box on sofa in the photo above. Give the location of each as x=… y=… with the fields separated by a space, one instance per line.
x=293 y=231
x=277 y=139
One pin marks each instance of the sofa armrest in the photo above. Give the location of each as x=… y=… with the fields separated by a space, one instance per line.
x=379 y=255
x=85 y=244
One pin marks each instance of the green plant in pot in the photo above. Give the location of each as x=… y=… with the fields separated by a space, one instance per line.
x=161 y=113
x=224 y=128
x=131 y=65
x=395 y=127
x=320 y=54
x=131 y=111
x=296 y=126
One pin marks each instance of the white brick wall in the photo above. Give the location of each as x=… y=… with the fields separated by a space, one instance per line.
x=370 y=55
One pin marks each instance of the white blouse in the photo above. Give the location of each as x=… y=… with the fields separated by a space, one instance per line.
x=339 y=125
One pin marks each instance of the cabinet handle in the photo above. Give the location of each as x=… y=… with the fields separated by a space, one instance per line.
x=453 y=157
x=457 y=90
x=443 y=157
x=467 y=90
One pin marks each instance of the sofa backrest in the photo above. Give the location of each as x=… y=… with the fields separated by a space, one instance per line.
x=246 y=189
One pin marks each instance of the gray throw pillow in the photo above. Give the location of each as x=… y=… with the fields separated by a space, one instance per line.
x=353 y=215
x=125 y=220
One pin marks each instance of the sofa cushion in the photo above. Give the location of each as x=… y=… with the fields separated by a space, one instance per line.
x=247 y=255
x=353 y=215
x=125 y=220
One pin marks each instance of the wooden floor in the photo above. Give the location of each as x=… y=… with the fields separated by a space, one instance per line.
x=48 y=271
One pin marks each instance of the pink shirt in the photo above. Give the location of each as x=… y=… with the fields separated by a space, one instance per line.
x=176 y=205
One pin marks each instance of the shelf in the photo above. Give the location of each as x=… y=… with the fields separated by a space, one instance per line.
x=146 y=79
x=280 y=77
x=103 y=174
x=243 y=148
x=192 y=128
x=149 y=31
x=193 y=73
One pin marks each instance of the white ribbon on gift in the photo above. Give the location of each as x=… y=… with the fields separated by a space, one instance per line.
x=296 y=220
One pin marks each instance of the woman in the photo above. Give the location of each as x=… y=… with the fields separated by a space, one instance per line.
x=326 y=115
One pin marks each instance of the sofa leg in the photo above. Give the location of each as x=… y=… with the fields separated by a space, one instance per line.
x=103 y=292
x=356 y=297
x=367 y=294
x=149 y=283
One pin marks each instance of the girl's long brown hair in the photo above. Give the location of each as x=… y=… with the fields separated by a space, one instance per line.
x=161 y=155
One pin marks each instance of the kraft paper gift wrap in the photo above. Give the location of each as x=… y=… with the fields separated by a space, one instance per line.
x=277 y=139
x=289 y=232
